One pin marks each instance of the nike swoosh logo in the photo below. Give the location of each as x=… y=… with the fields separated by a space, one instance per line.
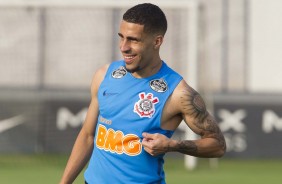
x=11 y=123
x=108 y=94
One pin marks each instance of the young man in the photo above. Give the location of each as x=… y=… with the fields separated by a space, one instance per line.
x=136 y=105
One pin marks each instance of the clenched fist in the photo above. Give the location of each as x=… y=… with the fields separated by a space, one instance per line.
x=156 y=144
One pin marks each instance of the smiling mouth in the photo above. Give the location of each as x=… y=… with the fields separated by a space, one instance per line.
x=129 y=59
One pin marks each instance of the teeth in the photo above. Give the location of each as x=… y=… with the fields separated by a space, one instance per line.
x=128 y=57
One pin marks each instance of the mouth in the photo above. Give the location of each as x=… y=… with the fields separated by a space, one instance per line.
x=129 y=59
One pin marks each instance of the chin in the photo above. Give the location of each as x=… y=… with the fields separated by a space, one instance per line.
x=131 y=69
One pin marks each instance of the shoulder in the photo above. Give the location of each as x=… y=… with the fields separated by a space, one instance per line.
x=101 y=71
x=188 y=99
x=98 y=78
x=181 y=90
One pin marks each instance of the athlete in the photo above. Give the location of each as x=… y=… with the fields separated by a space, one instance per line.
x=136 y=105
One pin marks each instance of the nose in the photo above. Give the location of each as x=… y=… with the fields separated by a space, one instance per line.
x=124 y=46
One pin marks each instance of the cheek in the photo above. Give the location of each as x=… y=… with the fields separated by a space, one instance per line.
x=137 y=48
x=145 y=50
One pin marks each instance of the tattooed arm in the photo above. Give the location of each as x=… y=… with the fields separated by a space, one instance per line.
x=186 y=103
x=196 y=116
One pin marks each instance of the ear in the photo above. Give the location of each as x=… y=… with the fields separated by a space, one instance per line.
x=158 y=41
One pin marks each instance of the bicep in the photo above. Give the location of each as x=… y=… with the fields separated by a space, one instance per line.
x=90 y=122
x=195 y=113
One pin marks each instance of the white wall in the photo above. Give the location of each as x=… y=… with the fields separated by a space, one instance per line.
x=265 y=51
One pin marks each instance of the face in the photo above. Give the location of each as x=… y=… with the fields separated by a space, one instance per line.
x=137 y=47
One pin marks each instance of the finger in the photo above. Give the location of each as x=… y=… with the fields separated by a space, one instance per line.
x=145 y=143
x=147 y=135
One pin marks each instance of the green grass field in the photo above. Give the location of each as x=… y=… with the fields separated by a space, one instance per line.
x=47 y=169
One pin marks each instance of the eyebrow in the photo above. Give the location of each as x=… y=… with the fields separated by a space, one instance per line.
x=129 y=37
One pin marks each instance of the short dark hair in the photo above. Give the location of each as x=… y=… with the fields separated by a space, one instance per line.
x=149 y=15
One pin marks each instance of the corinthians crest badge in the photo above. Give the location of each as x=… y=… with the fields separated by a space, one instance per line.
x=145 y=107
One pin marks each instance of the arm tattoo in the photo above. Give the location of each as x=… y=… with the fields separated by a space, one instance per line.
x=194 y=106
x=187 y=147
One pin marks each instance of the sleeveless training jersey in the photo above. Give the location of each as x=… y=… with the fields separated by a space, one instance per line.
x=129 y=106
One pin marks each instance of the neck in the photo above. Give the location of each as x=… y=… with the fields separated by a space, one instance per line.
x=149 y=71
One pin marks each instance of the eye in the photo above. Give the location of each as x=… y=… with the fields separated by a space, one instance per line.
x=134 y=41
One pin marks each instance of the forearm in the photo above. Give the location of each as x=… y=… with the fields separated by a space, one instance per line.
x=206 y=147
x=79 y=157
